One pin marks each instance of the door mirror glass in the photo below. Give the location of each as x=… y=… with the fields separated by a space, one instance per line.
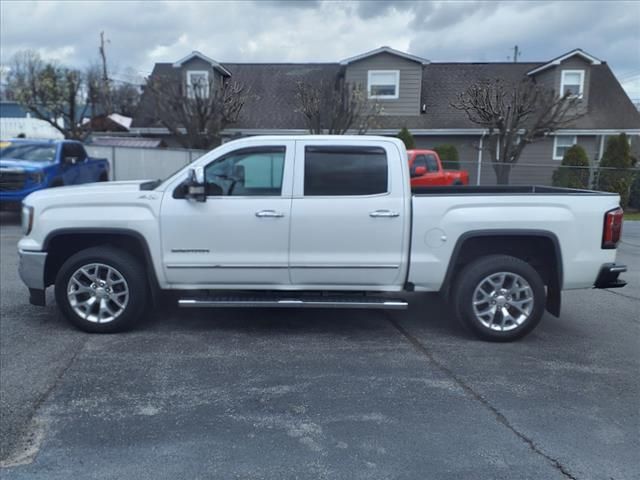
x=195 y=185
x=71 y=160
x=419 y=171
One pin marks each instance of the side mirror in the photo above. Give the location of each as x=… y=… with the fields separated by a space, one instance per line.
x=71 y=160
x=195 y=185
x=419 y=171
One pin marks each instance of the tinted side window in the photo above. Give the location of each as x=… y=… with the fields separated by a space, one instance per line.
x=247 y=172
x=432 y=163
x=73 y=150
x=420 y=161
x=66 y=151
x=342 y=171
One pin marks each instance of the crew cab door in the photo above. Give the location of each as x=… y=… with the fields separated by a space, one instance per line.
x=240 y=235
x=349 y=219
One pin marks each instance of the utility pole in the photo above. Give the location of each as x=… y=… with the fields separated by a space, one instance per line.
x=516 y=54
x=106 y=91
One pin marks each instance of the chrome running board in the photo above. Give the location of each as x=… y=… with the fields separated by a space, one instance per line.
x=292 y=301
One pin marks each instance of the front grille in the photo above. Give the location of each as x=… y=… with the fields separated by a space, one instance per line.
x=12 y=181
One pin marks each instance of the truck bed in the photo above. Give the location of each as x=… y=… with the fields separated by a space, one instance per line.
x=501 y=190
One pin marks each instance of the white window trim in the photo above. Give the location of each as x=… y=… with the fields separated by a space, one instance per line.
x=373 y=72
x=571 y=72
x=190 y=92
x=555 y=145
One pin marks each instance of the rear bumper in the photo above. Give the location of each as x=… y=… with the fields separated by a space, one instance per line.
x=31 y=270
x=608 y=276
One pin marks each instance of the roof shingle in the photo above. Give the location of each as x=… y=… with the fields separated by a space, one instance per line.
x=271 y=104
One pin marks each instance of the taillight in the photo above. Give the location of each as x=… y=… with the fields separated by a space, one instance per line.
x=612 y=228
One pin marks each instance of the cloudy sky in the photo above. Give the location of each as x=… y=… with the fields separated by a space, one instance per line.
x=141 y=33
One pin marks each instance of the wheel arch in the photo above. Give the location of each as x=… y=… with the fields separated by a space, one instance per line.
x=540 y=248
x=62 y=243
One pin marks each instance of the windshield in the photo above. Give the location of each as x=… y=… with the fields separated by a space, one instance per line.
x=29 y=152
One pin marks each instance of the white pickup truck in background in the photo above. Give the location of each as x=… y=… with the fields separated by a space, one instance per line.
x=315 y=221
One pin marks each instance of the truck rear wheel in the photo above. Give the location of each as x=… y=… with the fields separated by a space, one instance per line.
x=101 y=290
x=499 y=298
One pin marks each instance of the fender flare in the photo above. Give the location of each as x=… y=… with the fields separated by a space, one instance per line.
x=154 y=284
x=56 y=182
x=554 y=290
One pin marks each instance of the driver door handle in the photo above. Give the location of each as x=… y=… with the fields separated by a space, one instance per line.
x=269 y=214
x=384 y=213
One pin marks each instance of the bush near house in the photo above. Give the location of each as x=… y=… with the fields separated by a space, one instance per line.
x=449 y=156
x=574 y=169
x=407 y=138
x=634 y=197
x=616 y=163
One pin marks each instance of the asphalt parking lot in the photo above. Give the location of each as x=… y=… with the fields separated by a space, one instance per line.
x=285 y=394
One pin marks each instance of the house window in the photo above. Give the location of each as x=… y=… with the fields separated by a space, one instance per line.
x=198 y=84
x=572 y=82
x=561 y=144
x=383 y=83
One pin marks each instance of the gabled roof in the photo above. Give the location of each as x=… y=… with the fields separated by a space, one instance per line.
x=413 y=58
x=272 y=106
x=202 y=56
x=558 y=60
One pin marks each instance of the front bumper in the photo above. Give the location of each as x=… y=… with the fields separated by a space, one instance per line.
x=608 y=276
x=31 y=270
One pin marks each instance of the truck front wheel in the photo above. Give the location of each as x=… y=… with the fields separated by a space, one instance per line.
x=499 y=298
x=101 y=289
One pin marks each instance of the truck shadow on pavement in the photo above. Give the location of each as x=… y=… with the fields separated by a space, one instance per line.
x=426 y=311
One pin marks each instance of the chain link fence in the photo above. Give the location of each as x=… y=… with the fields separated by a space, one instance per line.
x=484 y=173
x=554 y=174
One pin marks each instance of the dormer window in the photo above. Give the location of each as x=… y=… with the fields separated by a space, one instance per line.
x=572 y=83
x=198 y=84
x=383 y=84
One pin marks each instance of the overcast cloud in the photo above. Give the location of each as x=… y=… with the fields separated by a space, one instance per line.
x=141 y=33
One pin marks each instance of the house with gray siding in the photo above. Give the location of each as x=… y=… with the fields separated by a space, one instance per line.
x=417 y=94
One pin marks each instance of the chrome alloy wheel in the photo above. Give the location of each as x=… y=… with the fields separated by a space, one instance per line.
x=98 y=293
x=503 y=301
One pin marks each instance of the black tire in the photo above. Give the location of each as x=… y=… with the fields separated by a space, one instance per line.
x=472 y=277
x=56 y=183
x=457 y=183
x=126 y=266
x=104 y=177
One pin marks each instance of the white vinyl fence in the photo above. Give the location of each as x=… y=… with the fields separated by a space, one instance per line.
x=128 y=163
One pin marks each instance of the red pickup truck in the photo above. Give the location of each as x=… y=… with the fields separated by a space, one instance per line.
x=426 y=170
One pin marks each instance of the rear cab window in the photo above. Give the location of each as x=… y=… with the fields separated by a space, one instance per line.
x=345 y=171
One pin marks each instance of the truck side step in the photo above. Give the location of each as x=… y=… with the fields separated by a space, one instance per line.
x=293 y=301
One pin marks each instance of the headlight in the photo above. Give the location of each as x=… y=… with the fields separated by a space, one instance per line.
x=36 y=177
x=27 y=219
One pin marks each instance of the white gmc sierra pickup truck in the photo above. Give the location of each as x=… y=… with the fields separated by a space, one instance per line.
x=315 y=221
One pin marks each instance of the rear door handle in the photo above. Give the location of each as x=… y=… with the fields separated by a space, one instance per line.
x=384 y=213
x=269 y=214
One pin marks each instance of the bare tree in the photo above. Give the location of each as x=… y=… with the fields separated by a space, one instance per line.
x=56 y=94
x=335 y=107
x=196 y=113
x=125 y=98
x=515 y=115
